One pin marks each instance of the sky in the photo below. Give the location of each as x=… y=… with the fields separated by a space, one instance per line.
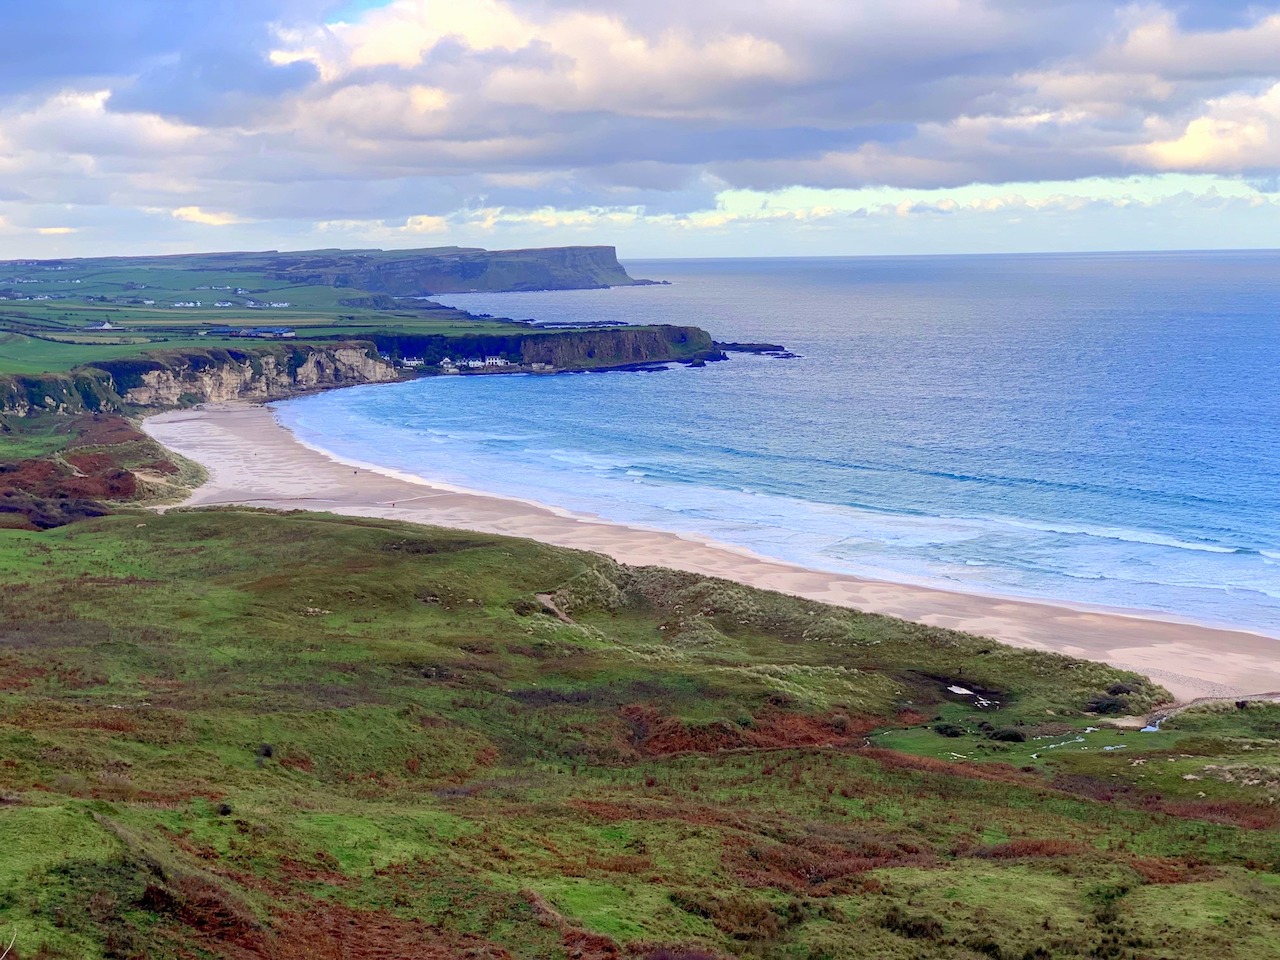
x=663 y=127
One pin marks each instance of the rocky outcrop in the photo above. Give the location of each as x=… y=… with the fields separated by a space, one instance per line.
x=177 y=378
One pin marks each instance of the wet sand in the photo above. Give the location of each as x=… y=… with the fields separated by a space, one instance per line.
x=253 y=460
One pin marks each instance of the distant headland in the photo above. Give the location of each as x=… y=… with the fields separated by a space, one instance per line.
x=405 y=273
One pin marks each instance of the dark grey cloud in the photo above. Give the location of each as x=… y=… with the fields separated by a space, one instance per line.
x=214 y=84
x=1218 y=14
x=54 y=42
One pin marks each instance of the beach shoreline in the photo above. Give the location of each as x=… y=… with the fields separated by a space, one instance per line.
x=253 y=460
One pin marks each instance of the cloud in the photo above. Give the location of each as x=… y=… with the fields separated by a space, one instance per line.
x=207 y=217
x=212 y=86
x=1236 y=134
x=409 y=117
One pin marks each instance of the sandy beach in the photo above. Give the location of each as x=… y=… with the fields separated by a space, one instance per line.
x=252 y=460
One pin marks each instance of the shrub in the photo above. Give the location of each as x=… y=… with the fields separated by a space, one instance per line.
x=525 y=607
x=1008 y=735
x=911 y=926
x=1108 y=704
x=1033 y=847
x=985 y=945
x=949 y=729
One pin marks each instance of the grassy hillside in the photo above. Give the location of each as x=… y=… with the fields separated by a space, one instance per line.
x=46 y=306
x=51 y=311
x=58 y=469
x=234 y=734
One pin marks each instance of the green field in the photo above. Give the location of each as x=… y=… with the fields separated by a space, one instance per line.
x=24 y=354
x=90 y=292
x=232 y=733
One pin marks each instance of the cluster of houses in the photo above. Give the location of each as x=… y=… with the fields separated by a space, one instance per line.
x=251 y=304
x=488 y=364
x=448 y=365
x=28 y=280
x=260 y=333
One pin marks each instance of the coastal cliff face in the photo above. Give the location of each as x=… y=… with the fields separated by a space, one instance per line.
x=258 y=378
x=588 y=348
x=197 y=376
x=562 y=349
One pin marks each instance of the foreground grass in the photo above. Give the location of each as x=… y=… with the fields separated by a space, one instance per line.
x=233 y=733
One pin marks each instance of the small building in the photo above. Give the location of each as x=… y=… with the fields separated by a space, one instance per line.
x=496 y=362
x=224 y=303
x=102 y=325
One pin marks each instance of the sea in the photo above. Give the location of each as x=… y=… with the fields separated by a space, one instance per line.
x=1091 y=429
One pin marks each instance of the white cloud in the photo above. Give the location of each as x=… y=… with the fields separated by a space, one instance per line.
x=1157 y=45
x=1236 y=134
x=208 y=218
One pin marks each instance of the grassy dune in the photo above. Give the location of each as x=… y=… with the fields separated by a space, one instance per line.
x=233 y=733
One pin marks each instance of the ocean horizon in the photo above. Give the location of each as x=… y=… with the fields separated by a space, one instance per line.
x=1098 y=430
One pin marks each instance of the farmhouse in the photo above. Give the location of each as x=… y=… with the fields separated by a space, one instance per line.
x=261 y=333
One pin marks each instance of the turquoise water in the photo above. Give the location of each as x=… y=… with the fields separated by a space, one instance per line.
x=1100 y=429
